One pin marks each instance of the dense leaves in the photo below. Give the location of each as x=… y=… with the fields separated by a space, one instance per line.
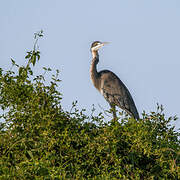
x=40 y=140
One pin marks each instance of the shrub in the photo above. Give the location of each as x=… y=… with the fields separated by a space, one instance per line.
x=40 y=140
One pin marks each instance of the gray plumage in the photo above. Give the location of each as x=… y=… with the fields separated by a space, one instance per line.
x=110 y=86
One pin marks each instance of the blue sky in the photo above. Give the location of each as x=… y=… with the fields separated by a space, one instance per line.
x=144 y=50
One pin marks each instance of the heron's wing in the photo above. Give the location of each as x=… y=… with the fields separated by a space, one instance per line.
x=115 y=92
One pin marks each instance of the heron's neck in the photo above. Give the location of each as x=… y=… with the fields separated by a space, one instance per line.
x=93 y=69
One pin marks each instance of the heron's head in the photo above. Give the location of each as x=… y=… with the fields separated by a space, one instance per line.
x=97 y=45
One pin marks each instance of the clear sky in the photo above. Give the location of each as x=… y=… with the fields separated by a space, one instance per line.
x=144 y=50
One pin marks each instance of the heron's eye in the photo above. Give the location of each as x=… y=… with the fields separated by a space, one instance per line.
x=96 y=44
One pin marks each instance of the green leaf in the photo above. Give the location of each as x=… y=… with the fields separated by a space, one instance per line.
x=28 y=55
x=13 y=62
x=20 y=70
x=33 y=59
x=30 y=154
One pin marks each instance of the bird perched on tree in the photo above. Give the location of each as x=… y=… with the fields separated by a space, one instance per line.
x=110 y=86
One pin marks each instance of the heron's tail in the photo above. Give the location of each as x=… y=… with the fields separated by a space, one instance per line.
x=135 y=113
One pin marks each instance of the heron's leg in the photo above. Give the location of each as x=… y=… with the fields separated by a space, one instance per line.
x=113 y=108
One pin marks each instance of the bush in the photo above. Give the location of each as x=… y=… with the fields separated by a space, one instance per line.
x=39 y=140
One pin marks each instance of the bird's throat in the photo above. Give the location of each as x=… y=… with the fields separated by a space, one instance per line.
x=95 y=54
x=93 y=69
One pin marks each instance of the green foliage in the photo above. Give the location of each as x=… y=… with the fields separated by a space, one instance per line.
x=40 y=140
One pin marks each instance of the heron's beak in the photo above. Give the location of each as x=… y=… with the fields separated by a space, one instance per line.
x=104 y=43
